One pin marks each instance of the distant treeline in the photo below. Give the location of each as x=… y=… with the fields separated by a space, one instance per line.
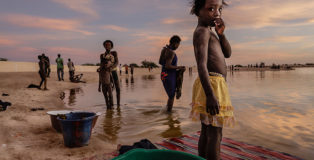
x=263 y=65
x=3 y=59
x=91 y=64
x=145 y=64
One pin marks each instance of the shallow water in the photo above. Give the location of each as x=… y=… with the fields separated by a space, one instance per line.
x=274 y=109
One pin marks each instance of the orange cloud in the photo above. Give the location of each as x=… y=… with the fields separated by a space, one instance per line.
x=255 y=44
x=311 y=20
x=70 y=51
x=7 y=42
x=175 y=21
x=269 y=55
x=259 y=14
x=115 y=28
x=289 y=39
x=83 y=6
x=44 y=23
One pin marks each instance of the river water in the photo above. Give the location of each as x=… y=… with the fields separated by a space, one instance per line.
x=273 y=109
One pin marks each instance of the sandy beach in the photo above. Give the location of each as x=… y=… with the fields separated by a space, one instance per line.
x=27 y=134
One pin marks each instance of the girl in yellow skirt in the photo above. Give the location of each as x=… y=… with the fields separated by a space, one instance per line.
x=220 y=89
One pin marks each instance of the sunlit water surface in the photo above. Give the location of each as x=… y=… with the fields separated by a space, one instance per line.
x=273 y=109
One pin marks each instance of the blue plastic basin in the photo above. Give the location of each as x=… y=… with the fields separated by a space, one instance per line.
x=77 y=128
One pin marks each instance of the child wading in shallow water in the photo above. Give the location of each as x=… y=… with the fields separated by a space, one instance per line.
x=105 y=79
x=210 y=100
x=168 y=59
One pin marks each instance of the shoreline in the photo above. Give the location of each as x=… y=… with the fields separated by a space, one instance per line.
x=267 y=68
x=27 y=134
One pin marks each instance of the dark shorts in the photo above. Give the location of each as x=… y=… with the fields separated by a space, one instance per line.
x=115 y=75
x=169 y=83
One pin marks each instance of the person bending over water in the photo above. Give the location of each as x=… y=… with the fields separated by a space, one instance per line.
x=210 y=100
x=71 y=70
x=168 y=59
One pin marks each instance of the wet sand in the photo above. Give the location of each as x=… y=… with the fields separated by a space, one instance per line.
x=27 y=134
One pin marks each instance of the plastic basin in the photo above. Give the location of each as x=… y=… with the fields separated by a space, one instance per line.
x=53 y=117
x=56 y=124
x=157 y=154
x=77 y=128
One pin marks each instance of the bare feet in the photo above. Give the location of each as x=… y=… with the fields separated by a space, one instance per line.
x=119 y=146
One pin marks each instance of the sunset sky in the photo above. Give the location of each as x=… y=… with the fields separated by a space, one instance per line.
x=271 y=31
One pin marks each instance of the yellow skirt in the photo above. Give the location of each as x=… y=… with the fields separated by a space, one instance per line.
x=220 y=89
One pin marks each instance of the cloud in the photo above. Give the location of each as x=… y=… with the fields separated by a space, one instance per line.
x=269 y=56
x=176 y=20
x=82 y=6
x=154 y=41
x=265 y=42
x=44 y=23
x=19 y=53
x=115 y=28
x=156 y=36
x=78 y=52
x=4 y=41
x=259 y=14
x=77 y=55
x=289 y=39
x=148 y=44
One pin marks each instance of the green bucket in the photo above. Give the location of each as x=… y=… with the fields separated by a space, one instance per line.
x=157 y=154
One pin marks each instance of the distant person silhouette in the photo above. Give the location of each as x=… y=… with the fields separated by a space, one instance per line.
x=126 y=69
x=120 y=69
x=71 y=69
x=132 y=69
x=47 y=65
x=60 y=72
x=42 y=71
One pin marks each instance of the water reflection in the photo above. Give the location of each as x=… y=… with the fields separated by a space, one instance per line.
x=132 y=80
x=72 y=95
x=127 y=81
x=62 y=95
x=132 y=83
x=148 y=77
x=174 y=129
x=260 y=75
x=111 y=124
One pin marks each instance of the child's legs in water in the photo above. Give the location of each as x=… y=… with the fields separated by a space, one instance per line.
x=110 y=96
x=209 y=142
x=106 y=89
x=105 y=93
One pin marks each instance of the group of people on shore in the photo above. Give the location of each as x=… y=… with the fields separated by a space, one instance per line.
x=44 y=69
x=126 y=69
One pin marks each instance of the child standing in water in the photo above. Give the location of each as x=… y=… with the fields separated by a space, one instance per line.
x=168 y=59
x=105 y=79
x=210 y=100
